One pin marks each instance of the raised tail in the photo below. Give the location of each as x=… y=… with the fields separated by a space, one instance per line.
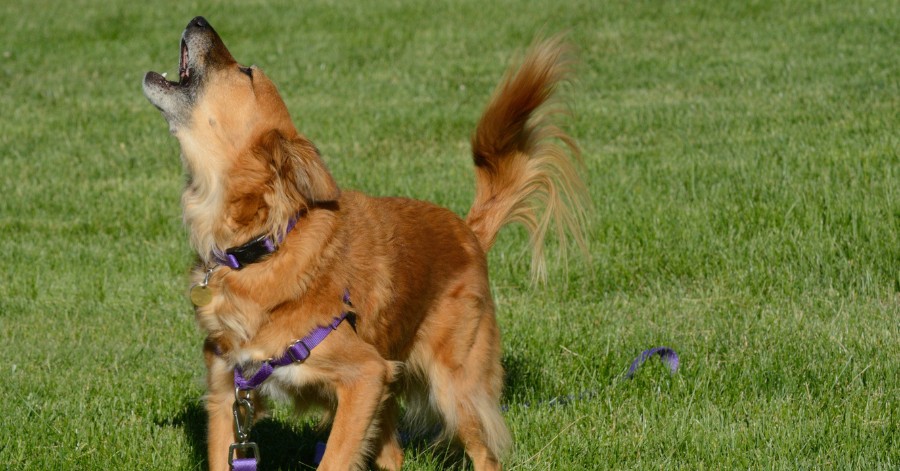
x=525 y=166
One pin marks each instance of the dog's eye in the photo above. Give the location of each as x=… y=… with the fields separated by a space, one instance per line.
x=247 y=70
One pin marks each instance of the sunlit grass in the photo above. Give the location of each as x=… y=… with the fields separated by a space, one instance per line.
x=742 y=159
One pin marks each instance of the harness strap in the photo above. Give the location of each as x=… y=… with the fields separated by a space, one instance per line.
x=296 y=352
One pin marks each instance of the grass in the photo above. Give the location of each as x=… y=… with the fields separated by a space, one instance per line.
x=742 y=159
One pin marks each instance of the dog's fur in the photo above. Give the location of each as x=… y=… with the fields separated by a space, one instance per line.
x=425 y=330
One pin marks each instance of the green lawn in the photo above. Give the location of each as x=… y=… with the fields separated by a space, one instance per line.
x=743 y=158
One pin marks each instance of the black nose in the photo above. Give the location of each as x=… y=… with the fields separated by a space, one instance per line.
x=198 y=22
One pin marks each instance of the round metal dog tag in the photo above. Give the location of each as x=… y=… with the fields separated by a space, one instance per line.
x=201 y=295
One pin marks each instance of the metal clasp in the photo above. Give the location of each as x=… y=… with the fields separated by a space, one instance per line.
x=242 y=421
x=242 y=409
x=209 y=271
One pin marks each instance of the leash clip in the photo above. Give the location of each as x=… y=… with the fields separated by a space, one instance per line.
x=242 y=410
x=242 y=422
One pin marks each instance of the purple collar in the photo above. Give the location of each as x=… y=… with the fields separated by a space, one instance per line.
x=254 y=251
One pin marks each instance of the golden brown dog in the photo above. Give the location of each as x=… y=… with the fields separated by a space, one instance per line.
x=424 y=330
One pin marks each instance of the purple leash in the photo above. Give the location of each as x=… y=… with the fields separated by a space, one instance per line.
x=244 y=464
x=666 y=355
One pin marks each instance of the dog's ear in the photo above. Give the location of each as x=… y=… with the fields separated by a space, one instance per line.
x=300 y=168
x=311 y=178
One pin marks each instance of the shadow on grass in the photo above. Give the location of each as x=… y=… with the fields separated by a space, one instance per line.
x=281 y=446
x=285 y=448
x=519 y=379
x=288 y=448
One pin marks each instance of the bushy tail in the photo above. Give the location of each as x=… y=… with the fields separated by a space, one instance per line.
x=523 y=169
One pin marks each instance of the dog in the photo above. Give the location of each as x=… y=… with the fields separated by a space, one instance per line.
x=400 y=286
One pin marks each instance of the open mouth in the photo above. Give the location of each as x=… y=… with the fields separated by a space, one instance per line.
x=184 y=72
x=200 y=47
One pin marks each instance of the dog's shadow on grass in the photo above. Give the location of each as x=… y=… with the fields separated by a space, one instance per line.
x=520 y=376
x=286 y=448
x=281 y=446
x=293 y=448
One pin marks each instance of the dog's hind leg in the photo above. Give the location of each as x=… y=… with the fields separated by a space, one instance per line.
x=390 y=456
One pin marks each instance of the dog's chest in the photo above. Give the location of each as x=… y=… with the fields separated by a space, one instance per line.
x=285 y=382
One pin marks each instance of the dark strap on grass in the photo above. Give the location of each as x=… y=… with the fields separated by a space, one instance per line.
x=666 y=355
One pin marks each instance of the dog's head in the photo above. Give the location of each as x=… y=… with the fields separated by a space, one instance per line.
x=215 y=96
x=236 y=135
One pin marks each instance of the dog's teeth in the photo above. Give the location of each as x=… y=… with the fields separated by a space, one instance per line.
x=164 y=74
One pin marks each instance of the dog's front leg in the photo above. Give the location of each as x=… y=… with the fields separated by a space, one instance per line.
x=359 y=400
x=219 y=400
